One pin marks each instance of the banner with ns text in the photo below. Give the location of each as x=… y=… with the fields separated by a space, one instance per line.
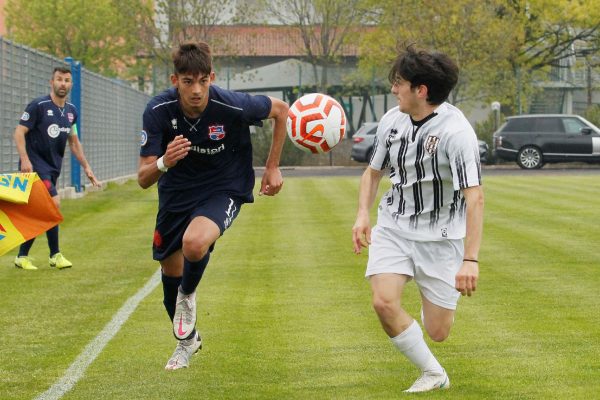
x=26 y=209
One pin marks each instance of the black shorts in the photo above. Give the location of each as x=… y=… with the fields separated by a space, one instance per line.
x=50 y=183
x=171 y=225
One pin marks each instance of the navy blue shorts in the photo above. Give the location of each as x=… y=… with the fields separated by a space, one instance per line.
x=50 y=183
x=171 y=225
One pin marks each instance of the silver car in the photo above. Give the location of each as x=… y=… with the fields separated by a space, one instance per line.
x=363 y=140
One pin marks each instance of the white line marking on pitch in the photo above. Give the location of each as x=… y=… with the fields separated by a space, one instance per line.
x=76 y=370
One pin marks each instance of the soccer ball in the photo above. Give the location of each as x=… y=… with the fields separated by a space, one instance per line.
x=316 y=123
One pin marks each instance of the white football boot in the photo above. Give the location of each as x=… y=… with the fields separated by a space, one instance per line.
x=184 y=320
x=184 y=350
x=430 y=381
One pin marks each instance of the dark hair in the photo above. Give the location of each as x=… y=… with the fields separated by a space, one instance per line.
x=62 y=70
x=192 y=58
x=435 y=70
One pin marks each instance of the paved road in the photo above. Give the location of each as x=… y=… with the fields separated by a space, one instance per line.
x=488 y=170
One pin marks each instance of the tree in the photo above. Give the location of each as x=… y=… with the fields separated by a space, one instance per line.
x=548 y=30
x=469 y=31
x=325 y=26
x=549 y=34
x=175 y=21
x=502 y=46
x=102 y=34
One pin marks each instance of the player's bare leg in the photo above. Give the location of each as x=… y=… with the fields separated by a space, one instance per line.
x=387 y=292
x=404 y=332
x=200 y=234
x=437 y=320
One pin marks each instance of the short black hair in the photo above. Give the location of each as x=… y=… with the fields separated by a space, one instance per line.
x=435 y=70
x=192 y=58
x=62 y=70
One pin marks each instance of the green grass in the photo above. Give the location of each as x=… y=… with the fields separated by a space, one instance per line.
x=285 y=311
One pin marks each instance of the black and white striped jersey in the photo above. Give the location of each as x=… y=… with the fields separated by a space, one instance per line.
x=430 y=161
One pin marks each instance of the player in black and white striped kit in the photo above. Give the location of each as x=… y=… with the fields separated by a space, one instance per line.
x=429 y=223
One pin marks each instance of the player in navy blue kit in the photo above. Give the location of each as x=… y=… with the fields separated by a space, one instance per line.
x=196 y=145
x=47 y=124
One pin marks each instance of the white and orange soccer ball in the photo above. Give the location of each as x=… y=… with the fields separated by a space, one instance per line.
x=316 y=123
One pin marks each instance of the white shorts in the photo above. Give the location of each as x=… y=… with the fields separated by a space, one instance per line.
x=433 y=264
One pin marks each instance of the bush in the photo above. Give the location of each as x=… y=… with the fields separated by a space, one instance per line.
x=261 y=144
x=592 y=114
x=485 y=129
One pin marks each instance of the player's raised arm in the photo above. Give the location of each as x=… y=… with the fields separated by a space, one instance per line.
x=272 y=181
x=150 y=168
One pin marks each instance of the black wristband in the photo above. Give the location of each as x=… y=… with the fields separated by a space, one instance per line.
x=468 y=259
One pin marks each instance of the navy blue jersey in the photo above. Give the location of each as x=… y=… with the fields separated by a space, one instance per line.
x=49 y=127
x=220 y=159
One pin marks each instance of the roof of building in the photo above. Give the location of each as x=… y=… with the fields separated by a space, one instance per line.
x=262 y=41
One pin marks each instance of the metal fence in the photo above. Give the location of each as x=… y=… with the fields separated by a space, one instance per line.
x=110 y=114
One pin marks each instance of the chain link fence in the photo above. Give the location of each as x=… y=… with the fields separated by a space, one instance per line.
x=110 y=114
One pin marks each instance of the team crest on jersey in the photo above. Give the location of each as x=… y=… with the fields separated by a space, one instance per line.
x=143 y=138
x=25 y=116
x=390 y=137
x=431 y=144
x=216 y=132
x=174 y=123
x=71 y=117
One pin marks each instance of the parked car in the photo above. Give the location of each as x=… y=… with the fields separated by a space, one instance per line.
x=364 y=138
x=484 y=152
x=535 y=139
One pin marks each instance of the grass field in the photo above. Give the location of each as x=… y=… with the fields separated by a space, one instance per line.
x=285 y=311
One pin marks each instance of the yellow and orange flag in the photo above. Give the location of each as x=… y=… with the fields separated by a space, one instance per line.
x=26 y=209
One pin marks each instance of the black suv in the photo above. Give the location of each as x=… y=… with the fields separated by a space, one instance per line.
x=532 y=140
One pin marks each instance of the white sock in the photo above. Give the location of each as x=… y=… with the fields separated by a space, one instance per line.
x=413 y=346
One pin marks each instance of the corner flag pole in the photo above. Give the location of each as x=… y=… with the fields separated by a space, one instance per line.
x=76 y=99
